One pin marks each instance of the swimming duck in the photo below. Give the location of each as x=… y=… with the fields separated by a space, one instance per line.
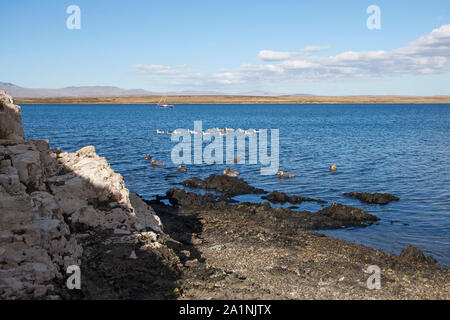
x=157 y=164
x=148 y=157
x=281 y=174
x=333 y=168
x=230 y=173
x=181 y=168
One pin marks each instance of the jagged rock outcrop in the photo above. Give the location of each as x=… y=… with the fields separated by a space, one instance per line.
x=93 y=195
x=10 y=119
x=36 y=244
x=46 y=199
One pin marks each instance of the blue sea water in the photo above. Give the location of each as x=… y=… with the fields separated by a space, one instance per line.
x=399 y=149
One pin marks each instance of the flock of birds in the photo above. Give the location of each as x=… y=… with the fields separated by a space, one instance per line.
x=222 y=132
x=228 y=172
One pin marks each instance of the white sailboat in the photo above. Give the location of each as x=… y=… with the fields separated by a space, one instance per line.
x=162 y=103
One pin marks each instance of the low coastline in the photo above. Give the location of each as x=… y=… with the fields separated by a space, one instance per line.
x=232 y=99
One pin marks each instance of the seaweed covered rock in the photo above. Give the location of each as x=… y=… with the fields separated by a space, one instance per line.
x=373 y=198
x=280 y=197
x=228 y=186
x=415 y=255
x=347 y=214
x=180 y=197
x=332 y=217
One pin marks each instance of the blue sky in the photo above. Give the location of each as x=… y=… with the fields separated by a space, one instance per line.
x=229 y=46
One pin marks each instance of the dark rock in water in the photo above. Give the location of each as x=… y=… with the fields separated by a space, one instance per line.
x=412 y=253
x=415 y=255
x=228 y=186
x=280 y=197
x=347 y=215
x=430 y=260
x=194 y=183
x=332 y=217
x=180 y=197
x=373 y=198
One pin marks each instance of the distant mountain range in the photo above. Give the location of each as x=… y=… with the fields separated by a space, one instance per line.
x=21 y=92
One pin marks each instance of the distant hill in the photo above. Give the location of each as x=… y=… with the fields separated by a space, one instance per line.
x=21 y=92
x=103 y=91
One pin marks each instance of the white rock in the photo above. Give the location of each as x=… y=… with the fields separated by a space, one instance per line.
x=10 y=119
x=133 y=255
x=41 y=193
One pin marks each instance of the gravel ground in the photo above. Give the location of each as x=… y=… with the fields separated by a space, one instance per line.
x=240 y=257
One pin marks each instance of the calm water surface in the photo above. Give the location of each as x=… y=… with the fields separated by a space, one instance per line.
x=400 y=149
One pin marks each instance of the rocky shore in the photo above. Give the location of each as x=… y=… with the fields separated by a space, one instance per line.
x=49 y=202
x=60 y=209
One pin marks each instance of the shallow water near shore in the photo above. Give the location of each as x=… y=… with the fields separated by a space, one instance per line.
x=399 y=149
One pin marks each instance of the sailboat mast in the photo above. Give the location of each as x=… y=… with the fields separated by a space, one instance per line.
x=159 y=103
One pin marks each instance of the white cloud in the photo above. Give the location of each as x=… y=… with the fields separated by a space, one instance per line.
x=315 y=48
x=429 y=54
x=269 y=55
x=153 y=69
x=298 y=64
x=163 y=70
